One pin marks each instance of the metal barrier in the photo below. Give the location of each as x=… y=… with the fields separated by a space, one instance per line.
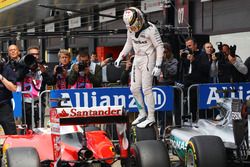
x=32 y=101
x=40 y=106
x=112 y=92
x=36 y=103
x=181 y=103
x=209 y=94
x=188 y=98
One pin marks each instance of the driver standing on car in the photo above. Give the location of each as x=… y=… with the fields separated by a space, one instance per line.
x=145 y=39
x=7 y=86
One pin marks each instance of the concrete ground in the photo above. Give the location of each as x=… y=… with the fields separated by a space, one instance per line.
x=174 y=162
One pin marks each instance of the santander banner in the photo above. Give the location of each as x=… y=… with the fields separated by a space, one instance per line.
x=81 y=112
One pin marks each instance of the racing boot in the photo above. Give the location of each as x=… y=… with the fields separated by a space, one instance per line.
x=140 y=105
x=141 y=117
x=149 y=100
x=148 y=122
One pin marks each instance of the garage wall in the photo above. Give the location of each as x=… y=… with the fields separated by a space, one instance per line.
x=220 y=16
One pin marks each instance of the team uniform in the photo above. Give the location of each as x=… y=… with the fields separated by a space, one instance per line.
x=148 y=48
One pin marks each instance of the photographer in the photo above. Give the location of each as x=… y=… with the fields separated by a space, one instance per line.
x=41 y=66
x=194 y=68
x=230 y=67
x=205 y=62
x=188 y=69
x=82 y=75
x=7 y=86
x=247 y=63
x=238 y=68
x=60 y=74
x=35 y=80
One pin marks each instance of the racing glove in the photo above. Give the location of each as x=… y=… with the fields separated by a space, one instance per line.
x=118 y=61
x=156 y=71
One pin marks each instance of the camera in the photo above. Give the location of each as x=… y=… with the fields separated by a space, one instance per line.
x=29 y=61
x=218 y=55
x=59 y=69
x=232 y=50
x=82 y=66
x=186 y=52
x=110 y=59
x=219 y=45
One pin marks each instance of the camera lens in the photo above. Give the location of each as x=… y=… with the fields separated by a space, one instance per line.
x=82 y=66
x=59 y=70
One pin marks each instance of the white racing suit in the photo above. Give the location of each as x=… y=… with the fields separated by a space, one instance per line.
x=148 y=48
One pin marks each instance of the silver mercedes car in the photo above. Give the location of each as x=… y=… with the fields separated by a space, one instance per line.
x=218 y=142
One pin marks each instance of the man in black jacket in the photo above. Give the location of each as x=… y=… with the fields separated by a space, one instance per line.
x=14 y=58
x=193 y=69
x=7 y=86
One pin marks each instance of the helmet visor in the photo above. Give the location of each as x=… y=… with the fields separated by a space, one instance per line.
x=135 y=27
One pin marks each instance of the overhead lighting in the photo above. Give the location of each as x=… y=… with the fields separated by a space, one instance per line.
x=206 y=0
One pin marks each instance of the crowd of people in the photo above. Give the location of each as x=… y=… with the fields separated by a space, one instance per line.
x=193 y=65
x=30 y=74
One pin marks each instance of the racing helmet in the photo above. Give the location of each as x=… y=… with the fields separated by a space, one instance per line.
x=133 y=19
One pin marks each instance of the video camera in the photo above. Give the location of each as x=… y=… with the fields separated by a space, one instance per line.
x=186 y=52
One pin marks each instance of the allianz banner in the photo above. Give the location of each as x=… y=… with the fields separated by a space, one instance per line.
x=110 y=96
x=208 y=94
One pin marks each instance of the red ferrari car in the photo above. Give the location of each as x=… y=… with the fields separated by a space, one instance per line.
x=66 y=144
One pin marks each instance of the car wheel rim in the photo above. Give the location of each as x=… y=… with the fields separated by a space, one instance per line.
x=190 y=159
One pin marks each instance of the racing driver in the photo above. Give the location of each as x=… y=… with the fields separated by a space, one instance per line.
x=144 y=38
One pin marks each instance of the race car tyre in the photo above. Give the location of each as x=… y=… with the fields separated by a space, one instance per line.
x=206 y=151
x=149 y=153
x=147 y=133
x=21 y=156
